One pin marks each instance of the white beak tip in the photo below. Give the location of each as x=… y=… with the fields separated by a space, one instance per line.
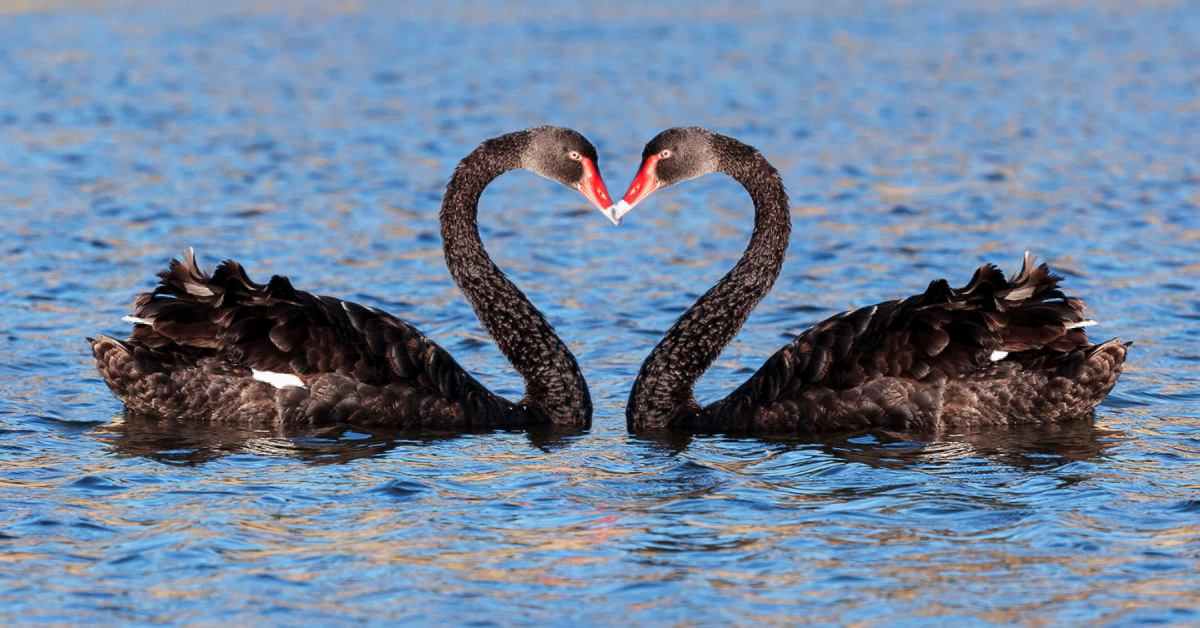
x=611 y=214
x=621 y=208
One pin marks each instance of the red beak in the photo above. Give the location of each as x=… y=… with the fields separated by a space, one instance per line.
x=592 y=186
x=644 y=184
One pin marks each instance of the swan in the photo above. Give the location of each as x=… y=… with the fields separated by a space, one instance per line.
x=221 y=347
x=995 y=352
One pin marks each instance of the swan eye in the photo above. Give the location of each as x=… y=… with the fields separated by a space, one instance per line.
x=575 y=155
x=665 y=154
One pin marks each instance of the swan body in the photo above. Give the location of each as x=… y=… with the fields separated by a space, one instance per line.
x=221 y=347
x=997 y=351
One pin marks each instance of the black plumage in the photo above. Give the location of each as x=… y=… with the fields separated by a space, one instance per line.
x=997 y=351
x=200 y=338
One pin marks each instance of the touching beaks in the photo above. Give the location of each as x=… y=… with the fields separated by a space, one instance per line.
x=619 y=210
x=644 y=184
x=592 y=188
x=611 y=214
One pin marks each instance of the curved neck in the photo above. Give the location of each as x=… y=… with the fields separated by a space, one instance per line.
x=554 y=385
x=664 y=387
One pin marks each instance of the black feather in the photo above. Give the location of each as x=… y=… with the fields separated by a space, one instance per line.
x=922 y=362
x=209 y=333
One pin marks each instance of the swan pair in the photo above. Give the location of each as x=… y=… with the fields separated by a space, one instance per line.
x=221 y=347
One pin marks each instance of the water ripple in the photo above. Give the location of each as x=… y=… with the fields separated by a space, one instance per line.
x=917 y=141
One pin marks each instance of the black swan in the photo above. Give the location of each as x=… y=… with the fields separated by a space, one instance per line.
x=995 y=352
x=220 y=347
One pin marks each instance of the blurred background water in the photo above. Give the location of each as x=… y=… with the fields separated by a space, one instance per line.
x=918 y=140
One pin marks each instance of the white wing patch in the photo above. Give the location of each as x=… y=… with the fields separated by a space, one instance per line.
x=999 y=355
x=1087 y=322
x=136 y=320
x=278 y=380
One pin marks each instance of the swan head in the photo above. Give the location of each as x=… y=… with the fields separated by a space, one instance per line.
x=673 y=156
x=566 y=156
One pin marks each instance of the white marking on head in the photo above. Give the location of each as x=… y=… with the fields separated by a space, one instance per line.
x=1087 y=322
x=999 y=355
x=136 y=320
x=278 y=380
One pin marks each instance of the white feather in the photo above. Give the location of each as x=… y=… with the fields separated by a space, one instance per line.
x=197 y=289
x=999 y=355
x=1020 y=293
x=139 y=321
x=1087 y=322
x=278 y=380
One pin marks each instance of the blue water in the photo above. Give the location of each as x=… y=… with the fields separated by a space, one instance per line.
x=918 y=140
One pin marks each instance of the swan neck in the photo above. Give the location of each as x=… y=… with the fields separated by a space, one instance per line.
x=554 y=384
x=664 y=389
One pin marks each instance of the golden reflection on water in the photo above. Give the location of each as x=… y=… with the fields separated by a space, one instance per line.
x=456 y=475
x=917 y=141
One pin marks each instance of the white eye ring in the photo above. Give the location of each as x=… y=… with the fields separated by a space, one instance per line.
x=665 y=154
x=575 y=155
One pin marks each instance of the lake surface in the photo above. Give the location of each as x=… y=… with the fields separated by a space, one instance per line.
x=918 y=140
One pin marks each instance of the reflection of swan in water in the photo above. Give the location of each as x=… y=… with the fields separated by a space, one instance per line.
x=181 y=441
x=1027 y=447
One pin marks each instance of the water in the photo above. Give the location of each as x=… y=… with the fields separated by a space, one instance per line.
x=918 y=140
